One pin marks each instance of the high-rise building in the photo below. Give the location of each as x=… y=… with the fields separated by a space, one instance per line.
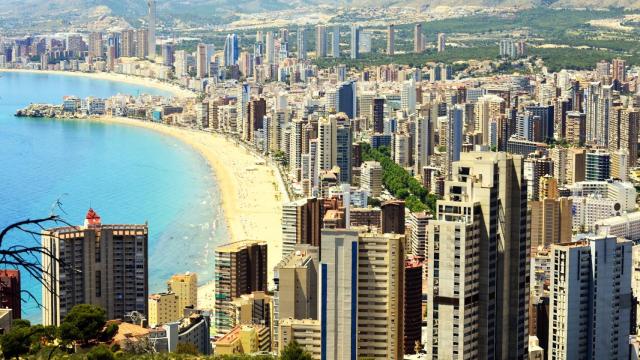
x=623 y=132
x=391 y=39
x=408 y=97
x=128 y=43
x=361 y=311
x=338 y=294
x=355 y=41
x=442 y=42
x=484 y=215
x=185 y=286
x=231 y=50
x=597 y=165
x=296 y=292
x=142 y=43
x=103 y=265
x=619 y=70
x=10 y=292
x=393 y=217
x=202 y=64
x=301 y=223
x=454 y=135
x=412 y=303
x=335 y=42
x=344 y=144
x=270 y=50
x=454 y=279
x=95 y=46
x=152 y=28
x=168 y=54
x=380 y=294
x=589 y=315
x=377 y=112
x=418 y=42
x=424 y=140
x=551 y=216
x=347 y=98
x=321 y=41
x=302 y=44
x=241 y=268
x=371 y=178
x=417 y=223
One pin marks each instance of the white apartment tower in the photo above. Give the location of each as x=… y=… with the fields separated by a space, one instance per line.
x=590 y=292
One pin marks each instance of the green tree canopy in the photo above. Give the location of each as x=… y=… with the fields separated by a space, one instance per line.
x=83 y=323
x=293 y=351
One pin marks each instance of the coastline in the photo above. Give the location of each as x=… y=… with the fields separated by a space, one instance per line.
x=250 y=189
x=176 y=90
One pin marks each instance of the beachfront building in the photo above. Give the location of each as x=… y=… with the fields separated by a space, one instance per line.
x=241 y=268
x=105 y=265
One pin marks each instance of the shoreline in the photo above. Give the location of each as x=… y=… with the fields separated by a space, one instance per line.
x=176 y=90
x=251 y=192
x=251 y=188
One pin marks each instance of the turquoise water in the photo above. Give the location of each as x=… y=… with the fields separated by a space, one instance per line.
x=127 y=174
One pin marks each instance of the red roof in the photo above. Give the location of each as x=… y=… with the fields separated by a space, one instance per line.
x=92 y=217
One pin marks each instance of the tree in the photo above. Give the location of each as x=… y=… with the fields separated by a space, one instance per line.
x=16 y=342
x=27 y=258
x=293 y=351
x=83 y=323
x=100 y=352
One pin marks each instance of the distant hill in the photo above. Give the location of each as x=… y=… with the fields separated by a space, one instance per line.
x=216 y=11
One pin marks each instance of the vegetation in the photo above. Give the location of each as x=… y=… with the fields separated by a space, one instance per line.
x=85 y=324
x=398 y=180
x=293 y=351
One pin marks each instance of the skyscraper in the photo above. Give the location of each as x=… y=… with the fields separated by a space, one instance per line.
x=391 y=39
x=378 y=115
x=355 y=41
x=412 y=303
x=418 y=42
x=380 y=279
x=454 y=134
x=597 y=165
x=393 y=217
x=321 y=41
x=241 y=268
x=338 y=295
x=168 y=54
x=104 y=265
x=142 y=43
x=269 y=53
x=408 y=97
x=344 y=143
x=335 y=41
x=302 y=44
x=231 y=50
x=128 y=43
x=589 y=315
x=202 y=64
x=301 y=223
x=442 y=42
x=347 y=98
x=484 y=205
x=152 y=28
x=95 y=46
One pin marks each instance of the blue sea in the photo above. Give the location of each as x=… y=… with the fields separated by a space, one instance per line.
x=126 y=174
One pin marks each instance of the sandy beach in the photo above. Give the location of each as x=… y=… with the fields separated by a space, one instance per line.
x=251 y=192
x=129 y=79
